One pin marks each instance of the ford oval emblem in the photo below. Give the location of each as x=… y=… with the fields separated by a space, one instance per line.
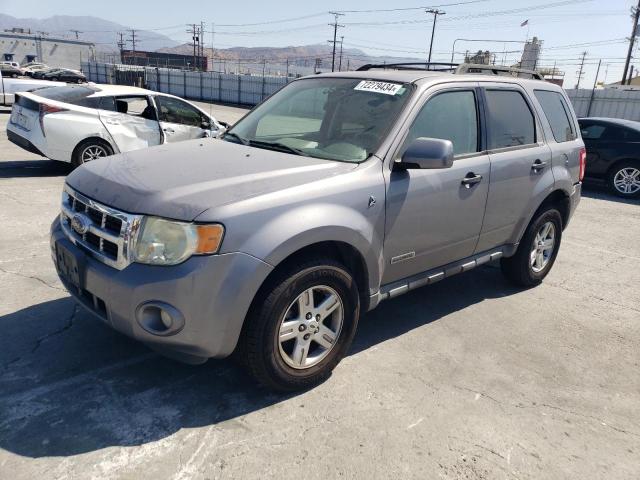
x=80 y=223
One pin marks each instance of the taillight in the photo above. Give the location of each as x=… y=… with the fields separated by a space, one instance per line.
x=583 y=163
x=45 y=110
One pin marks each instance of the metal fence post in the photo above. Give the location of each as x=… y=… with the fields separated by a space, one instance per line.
x=89 y=71
x=219 y=87
x=157 y=79
x=263 y=81
x=184 y=83
x=239 y=89
x=201 y=74
x=168 y=81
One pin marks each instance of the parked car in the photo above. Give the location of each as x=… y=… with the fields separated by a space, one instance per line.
x=10 y=71
x=77 y=124
x=10 y=86
x=42 y=72
x=337 y=192
x=65 y=75
x=30 y=69
x=613 y=153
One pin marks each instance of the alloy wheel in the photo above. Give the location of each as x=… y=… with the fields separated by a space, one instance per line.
x=310 y=327
x=627 y=181
x=543 y=245
x=93 y=152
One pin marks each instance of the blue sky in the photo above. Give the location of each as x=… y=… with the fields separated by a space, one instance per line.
x=562 y=27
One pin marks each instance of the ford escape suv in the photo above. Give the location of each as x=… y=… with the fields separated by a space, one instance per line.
x=338 y=192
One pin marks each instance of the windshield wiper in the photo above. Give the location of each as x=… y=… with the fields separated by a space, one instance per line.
x=281 y=147
x=243 y=141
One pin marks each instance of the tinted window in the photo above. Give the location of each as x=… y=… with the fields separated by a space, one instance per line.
x=555 y=110
x=511 y=122
x=449 y=116
x=172 y=110
x=592 y=132
x=68 y=94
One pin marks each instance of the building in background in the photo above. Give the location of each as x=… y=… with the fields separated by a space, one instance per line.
x=24 y=46
x=531 y=54
x=165 y=60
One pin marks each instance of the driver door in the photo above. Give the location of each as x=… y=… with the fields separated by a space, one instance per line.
x=434 y=217
x=180 y=121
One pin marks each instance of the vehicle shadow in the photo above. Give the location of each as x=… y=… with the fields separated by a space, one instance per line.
x=600 y=191
x=34 y=168
x=70 y=385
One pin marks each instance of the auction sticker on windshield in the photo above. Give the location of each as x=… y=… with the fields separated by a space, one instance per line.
x=378 y=87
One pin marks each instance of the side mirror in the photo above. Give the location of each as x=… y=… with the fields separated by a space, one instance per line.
x=426 y=153
x=205 y=125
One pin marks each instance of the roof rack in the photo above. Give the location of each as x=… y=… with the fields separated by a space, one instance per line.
x=458 y=68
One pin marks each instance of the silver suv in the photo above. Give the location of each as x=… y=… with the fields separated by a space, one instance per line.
x=339 y=191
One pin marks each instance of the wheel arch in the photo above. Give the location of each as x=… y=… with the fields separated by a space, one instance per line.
x=618 y=161
x=342 y=252
x=97 y=138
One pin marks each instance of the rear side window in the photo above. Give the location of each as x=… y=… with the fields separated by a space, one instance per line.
x=592 y=132
x=448 y=116
x=511 y=122
x=555 y=109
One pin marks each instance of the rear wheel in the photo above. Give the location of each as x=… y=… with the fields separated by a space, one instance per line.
x=90 y=150
x=537 y=250
x=302 y=326
x=624 y=179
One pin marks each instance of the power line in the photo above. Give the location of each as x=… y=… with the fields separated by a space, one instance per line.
x=580 y=72
x=412 y=8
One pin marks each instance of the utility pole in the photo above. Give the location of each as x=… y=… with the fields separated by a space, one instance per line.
x=133 y=40
x=335 y=33
x=435 y=13
x=340 y=62
x=581 y=71
x=194 y=37
x=121 y=44
x=201 y=39
x=593 y=91
x=634 y=30
x=631 y=74
x=76 y=32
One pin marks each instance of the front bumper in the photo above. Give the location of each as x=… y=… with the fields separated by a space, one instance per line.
x=212 y=293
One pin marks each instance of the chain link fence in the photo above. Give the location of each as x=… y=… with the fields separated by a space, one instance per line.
x=204 y=86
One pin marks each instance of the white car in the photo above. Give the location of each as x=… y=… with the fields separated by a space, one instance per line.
x=79 y=123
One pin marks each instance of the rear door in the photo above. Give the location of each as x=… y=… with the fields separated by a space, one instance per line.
x=179 y=120
x=521 y=173
x=131 y=121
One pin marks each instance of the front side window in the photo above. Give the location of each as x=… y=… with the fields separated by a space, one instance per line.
x=556 y=111
x=448 y=116
x=511 y=122
x=340 y=119
x=172 y=110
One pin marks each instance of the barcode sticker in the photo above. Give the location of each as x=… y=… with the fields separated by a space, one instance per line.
x=378 y=87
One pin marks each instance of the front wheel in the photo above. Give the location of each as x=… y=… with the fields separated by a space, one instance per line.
x=537 y=250
x=624 y=179
x=302 y=326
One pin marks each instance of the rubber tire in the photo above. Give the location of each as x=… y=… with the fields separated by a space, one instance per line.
x=258 y=348
x=54 y=79
x=612 y=173
x=76 y=161
x=518 y=267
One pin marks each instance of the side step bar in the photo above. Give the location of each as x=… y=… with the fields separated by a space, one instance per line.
x=405 y=285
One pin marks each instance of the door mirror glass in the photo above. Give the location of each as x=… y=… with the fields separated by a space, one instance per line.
x=427 y=153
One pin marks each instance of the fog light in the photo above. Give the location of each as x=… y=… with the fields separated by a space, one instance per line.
x=159 y=318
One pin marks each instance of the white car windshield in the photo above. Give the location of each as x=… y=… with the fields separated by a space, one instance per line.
x=341 y=119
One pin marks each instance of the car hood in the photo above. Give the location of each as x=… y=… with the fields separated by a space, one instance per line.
x=180 y=181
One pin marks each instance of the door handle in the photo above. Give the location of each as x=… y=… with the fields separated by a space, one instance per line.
x=471 y=179
x=538 y=165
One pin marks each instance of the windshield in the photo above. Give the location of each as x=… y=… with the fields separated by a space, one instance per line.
x=330 y=118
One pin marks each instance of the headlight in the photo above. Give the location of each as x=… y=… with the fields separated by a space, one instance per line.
x=165 y=242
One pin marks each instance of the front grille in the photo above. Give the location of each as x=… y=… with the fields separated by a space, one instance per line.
x=106 y=233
